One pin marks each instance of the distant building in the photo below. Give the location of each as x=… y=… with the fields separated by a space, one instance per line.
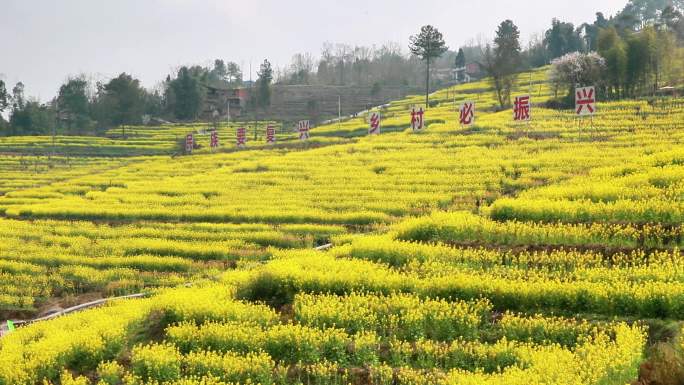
x=474 y=71
x=470 y=72
x=318 y=102
x=228 y=102
x=445 y=75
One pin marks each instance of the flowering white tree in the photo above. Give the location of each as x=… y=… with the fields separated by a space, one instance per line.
x=577 y=69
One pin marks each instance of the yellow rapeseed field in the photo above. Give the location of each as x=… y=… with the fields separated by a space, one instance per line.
x=499 y=253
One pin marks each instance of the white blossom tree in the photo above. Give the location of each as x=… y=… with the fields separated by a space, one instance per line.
x=577 y=69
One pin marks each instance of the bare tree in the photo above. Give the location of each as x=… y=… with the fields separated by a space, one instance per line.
x=301 y=68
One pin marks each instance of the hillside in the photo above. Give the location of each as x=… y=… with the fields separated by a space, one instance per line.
x=499 y=253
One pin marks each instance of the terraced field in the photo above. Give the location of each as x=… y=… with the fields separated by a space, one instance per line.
x=546 y=253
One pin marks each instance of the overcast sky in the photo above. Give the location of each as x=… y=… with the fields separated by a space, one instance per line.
x=44 y=41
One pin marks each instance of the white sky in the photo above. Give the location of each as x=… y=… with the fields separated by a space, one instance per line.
x=44 y=41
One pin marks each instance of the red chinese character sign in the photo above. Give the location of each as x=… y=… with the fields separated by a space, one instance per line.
x=374 y=128
x=189 y=143
x=521 y=108
x=270 y=135
x=241 y=136
x=304 y=127
x=585 y=101
x=467 y=113
x=417 y=118
x=214 y=141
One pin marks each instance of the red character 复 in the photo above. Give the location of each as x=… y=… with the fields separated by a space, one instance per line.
x=417 y=118
x=241 y=137
x=270 y=134
x=214 y=141
x=189 y=143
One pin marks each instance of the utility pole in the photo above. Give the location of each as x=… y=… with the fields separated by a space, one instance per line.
x=530 y=90
x=339 y=112
x=251 y=86
x=54 y=128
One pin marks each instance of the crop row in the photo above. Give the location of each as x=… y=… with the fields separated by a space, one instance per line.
x=210 y=338
x=408 y=254
x=361 y=183
x=41 y=260
x=599 y=291
x=467 y=229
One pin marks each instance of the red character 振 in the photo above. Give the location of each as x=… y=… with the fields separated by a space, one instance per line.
x=521 y=108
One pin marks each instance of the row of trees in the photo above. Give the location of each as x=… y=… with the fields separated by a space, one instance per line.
x=83 y=106
x=641 y=45
x=625 y=66
x=26 y=115
x=639 y=62
x=79 y=107
x=345 y=65
x=637 y=51
x=564 y=37
x=183 y=96
x=631 y=54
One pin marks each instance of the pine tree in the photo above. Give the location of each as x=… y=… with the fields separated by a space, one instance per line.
x=427 y=45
